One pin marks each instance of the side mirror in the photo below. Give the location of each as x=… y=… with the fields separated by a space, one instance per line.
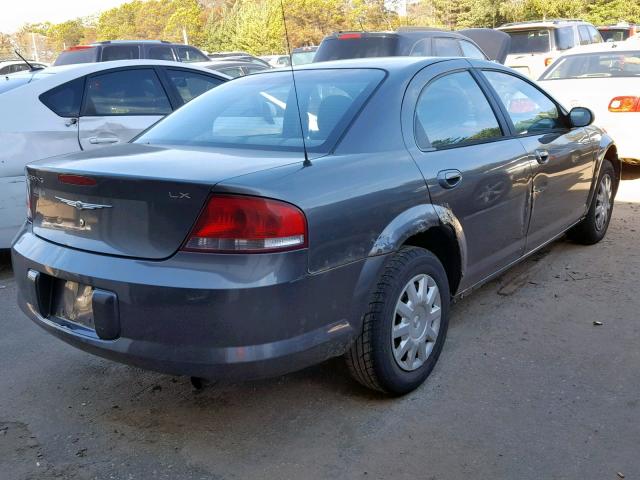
x=580 y=117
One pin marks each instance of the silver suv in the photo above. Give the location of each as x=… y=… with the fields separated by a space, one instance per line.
x=535 y=45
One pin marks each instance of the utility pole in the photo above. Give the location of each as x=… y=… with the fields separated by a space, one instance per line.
x=185 y=38
x=34 y=48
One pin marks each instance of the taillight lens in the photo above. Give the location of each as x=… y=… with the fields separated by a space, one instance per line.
x=349 y=36
x=548 y=61
x=624 y=104
x=242 y=224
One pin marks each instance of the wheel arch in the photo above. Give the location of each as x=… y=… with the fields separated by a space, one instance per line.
x=433 y=227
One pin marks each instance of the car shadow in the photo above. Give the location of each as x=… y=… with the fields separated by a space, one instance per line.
x=630 y=172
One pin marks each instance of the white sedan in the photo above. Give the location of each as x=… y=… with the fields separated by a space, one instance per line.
x=605 y=78
x=82 y=107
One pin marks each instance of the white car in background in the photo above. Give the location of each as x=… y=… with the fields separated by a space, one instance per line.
x=14 y=66
x=606 y=79
x=535 y=45
x=82 y=107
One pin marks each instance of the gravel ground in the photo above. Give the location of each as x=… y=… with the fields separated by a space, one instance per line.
x=527 y=388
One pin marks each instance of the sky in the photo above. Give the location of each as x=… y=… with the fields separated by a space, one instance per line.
x=14 y=13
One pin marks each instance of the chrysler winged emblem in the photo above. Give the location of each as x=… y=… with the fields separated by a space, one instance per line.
x=82 y=205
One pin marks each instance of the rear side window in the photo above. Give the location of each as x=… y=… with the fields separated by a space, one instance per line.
x=565 y=38
x=421 y=48
x=531 y=111
x=471 y=51
x=77 y=55
x=65 y=99
x=191 y=85
x=446 y=47
x=126 y=92
x=190 y=54
x=120 y=52
x=161 y=53
x=233 y=72
x=451 y=111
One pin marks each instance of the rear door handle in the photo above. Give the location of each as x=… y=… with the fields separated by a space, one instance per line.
x=103 y=140
x=542 y=156
x=449 y=178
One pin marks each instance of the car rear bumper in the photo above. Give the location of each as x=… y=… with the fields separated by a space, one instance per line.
x=211 y=316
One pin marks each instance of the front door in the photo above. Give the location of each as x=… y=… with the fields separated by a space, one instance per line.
x=473 y=170
x=561 y=157
x=120 y=104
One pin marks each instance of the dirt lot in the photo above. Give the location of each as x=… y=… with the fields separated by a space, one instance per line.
x=527 y=388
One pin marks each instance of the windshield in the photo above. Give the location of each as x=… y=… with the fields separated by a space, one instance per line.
x=302 y=58
x=595 y=65
x=260 y=111
x=529 y=41
x=363 y=47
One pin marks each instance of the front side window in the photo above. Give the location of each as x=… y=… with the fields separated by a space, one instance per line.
x=565 y=38
x=452 y=110
x=190 y=84
x=471 y=51
x=446 y=47
x=126 y=92
x=190 y=55
x=120 y=52
x=261 y=112
x=585 y=38
x=64 y=100
x=530 y=110
x=594 y=35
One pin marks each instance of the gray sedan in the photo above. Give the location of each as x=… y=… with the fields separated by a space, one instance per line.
x=249 y=234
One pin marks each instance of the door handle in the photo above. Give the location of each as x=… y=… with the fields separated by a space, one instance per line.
x=449 y=178
x=103 y=140
x=70 y=121
x=542 y=156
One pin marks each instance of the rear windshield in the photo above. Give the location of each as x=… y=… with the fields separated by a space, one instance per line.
x=364 y=47
x=614 y=35
x=530 y=41
x=595 y=65
x=71 y=57
x=260 y=111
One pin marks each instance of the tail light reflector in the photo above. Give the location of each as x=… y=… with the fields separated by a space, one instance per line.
x=624 y=104
x=242 y=224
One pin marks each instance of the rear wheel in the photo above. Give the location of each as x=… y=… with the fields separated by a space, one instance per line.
x=405 y=326
x=594 y=226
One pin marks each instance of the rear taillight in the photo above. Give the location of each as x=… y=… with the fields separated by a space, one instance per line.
x=548 y=61
x=242 y=224
x=77 y=180
x=624 y=104
x=79 y=47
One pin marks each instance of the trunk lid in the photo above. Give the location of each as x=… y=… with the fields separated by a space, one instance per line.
x=133 y=200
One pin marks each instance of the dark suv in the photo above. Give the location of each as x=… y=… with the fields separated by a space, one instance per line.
x=478 y=43
x=131 y=50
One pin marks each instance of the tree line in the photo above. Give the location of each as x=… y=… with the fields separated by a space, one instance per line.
x=257 y=26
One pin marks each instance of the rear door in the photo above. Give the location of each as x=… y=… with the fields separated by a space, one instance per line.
x=475 y=172
x=119 y=104
x=562 y=158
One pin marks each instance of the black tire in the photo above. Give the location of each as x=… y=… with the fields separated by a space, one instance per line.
x=587 y=232
x=371 y=358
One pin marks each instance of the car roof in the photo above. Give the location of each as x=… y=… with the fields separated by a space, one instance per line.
x=543 y=24
x=233 y=63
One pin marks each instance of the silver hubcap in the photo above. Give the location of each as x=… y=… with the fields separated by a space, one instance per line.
x=416 y=322
x=603 y=202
